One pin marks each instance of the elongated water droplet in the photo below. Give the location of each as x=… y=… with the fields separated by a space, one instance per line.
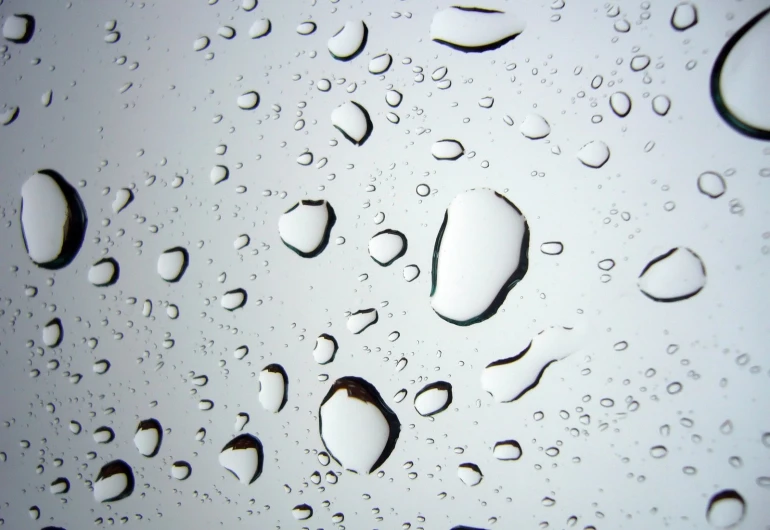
x=676 y=275
x=306 y=226
x=726 y=509
x=362 y=319
x=387 y=246
x=114 y=482
x=201 y=43
x=234 y=299
x=243 y=457
x=349 y=41
x=306 y=28
x=474 y=29
x=552 y=248
x=148 y=437
x=620 y=103
x=685 y=16
x=59 y=486
x=447 y=150
x=104 y=272
x=535 y=127
x=325 y=349
x=352 y=120
x=172 y=264
x=433 y=398
x=302 y=512
x=411 y=272
x=507 y=450
x=8 y=115
x=52 y=333
x=357 y=428
x=439 y=73
x=273 y=388
x=248 y=100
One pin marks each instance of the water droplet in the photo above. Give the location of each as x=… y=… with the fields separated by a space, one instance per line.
x=507 y=450
x=104 y=272
x=243 y=457
x=433 y=398
x=34 y=513
x=101 y=367
x=226 y=32
x=302 y=512
x=59 y=486
x=606 y=264
x=362 y=319
x=487 y=102
x=201 y=43
x=353 y=121
x=394 y=336
x=325 y=349
x=148 y=437
x=8 y=115
x=306 y=28
x=234 y=299
x=246 y=101
x=53 y=220
x=123 y=198
x=552 y=248
x=393 y=98
x=447 y=150
x=685 y=16
x=439 y=73
x=480 y=254
x=411 y=272
x=640 y=62
x=535 y=127
x=594 y=154
x=387 y=246
x=47 y=98
x=620 y=103
x=19 y=28
x=248 y=5
x=726 y=509
x=509 y=379
x=172 y=264
x=349 y=41
x=357 y=428
x=711 y=184
x=180 y=470
x=661 y=105
x=306 y=226
x=273 y=388
x=676 y=275
x=469 y=473
x=474 y=29
x=52 y=333
x=114 y=482
x=103 y=435
x=380 y=64
x=658 y=451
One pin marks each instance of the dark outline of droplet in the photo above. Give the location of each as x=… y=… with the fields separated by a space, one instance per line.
x=515 y=278
x=716 y=74
x=363 y=390
x=245 y=442
x=334 y=342
x=129 y=201
x=259 y=100
x=30 y=29
x=462 y=150
x=113 y=468
x=512 y=442
x=75 y=228
x=630 y=105
x=369 y=127
x=483 y=47
x=663 y=257
x=151 y=424
x=400 y=99
x=510 y=360
x=185 y=262
x=609 y=154
x=14 y=115
x=704 y=192
x=695 y=10
x=386 y=69
x=184 y=464
x=109 y=365
x=726 y=494
x=437 y=385
x=54 y=528
x=265 y=34
x=400 y=254
x=360 y=48
x=56 y=322
x=108 y=430
x=372 y=323
x=61 y=480
x=304 y=507
x=418 y=272
x=115 y=274
x=473 y=467
x=327 y=231
x=243 y=302
x=278 y=369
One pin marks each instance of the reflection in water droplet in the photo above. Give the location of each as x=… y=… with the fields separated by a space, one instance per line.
x=353 y=121
x=357 y=428
x=433 y=398
x=685 y=16
x=306 y=226
x=507 y=450
x=243 y=457
x=387 y=246
x=473 y=29
x=148 y=437
x=114 y=482
x=676 y=275
x=273 y=388
x=480 y=254
x=470 y=474
x=349 y=41
x=725 y=509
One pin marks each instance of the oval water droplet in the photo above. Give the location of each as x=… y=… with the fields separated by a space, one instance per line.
x=248 y=100
x=711 y=184
x=243 y=457
x=507 y=450
x=324 y=85
x=180 y=470
x=349 y=41
x=114 y=482
x=306 y=226
x=676 y=275
x=447 y=150
x=387 y=246
x=357 y=428
x=393 y=98
x=469 y=473
x=726 y=509
x=103 y=435
x=52 y=333
x=172 y=264
x=353 y=121
x=552 y=248
x=148 y=437
x=535 y=127
x=273 y=388
x=439 y=73
x=234 y=299
x=53 y=220
x=433 y=398
x=362 y=319
x=480 y=254
x=201 y=43
x=685 y=16
x=620 y=103
x=104 y=272
x=639 y=62
x=661 y=105
x=380 y=64
x=306 y=28
x=325 y=349
x=474 y=29
x=594 y=154
x=302 y=512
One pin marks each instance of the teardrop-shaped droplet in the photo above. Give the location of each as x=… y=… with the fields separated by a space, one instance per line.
x=306 y=226
x=123 y=197
x=661 y=104
x=243 y=457
x=114 y=482
x=474 y=29
x=260 y=28
x=674 y=276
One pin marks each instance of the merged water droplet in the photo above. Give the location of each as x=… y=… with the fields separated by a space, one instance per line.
x=349 y=41
x=726 y=509
x=243 y=457
x=447 y=150
x=114 y=482
x=684 y=16
x=594 y=154
x=357 y=428
x=507 y=450
x=181 y=470
x=104 y=272
x=306 y=226
x=352 y=120
x=474 y=29
x=362 y=319
x=53 y=220
x=325 y=349
x=535 y=127
x=481 y=253
x=19 y=28
x=273 y=388
x=469 y=473
x=433 y=398
x=380 y=63
x=234 y=299
x=676 y=275
x=148 y=437
x=172 y=264
x=387 y=246
x=740 y=78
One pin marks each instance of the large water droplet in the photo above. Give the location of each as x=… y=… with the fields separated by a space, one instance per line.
x=114 y=482
x=594 y=154
x=433 y=398
x=474 y=29
x=352 y=120
x=362 y=319
x=306 y=226
x=260 y=28
x=148 y=437
x=447 y=150
x=380 y=64
x=180 y=470
x=620 y=103
x=243 y=457
x=387 y=246
x=469 y=473
x=172 y=264
x=726 y=509
x=53 y=220
x=302 y=512
x=480 y=254
x=535 y=127
x=19 y=28
x=234 y=299
x=248 y=100
x=740 y=79
x=273 y=388
x=325 y=349
x=685 y=16
x=676 y=275
x=349 y=41
x=507 y=450
x=357 y=428
x=104 y=272
x=52 y=333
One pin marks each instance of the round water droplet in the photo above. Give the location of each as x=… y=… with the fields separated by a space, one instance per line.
x=104 y=272
x=324 y=85
x=393 y=98
x=349 y=41
x=234 y=299
x=470 y=474
x=380 y=64
x=53 y=220
x=180 y=470
x=243 y=457
x=594 y=154
x=552 y=248
x=639 y=62
x=411 y=272
x=325 y=349
x=676 y=275
x=302 y=512
x=474 y=29
x=620 y=103
x=248 y=101
x=711 y=184
x=507 y=450
x=273 y=388
x=685 y=16
x=306 y=28
x=535 y=127
x=172 y=264
x=362 y=319
x=439 y=73
x=352 y=120
x=260 y=28
x=114 y=482
x=447 y=150
x=387 y=246
x=725 y=509
x=148 y=437
x=433 y=398
x=357 y=428
x=306 y=226
x=19 y=28
x=661 y=105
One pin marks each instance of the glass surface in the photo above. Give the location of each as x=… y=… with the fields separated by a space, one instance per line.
x=382 y=265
